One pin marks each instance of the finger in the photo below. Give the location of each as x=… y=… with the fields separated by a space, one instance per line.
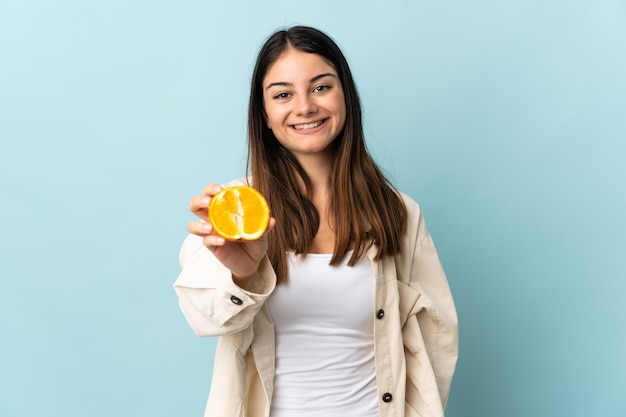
x=271 y=224
x=211 y=189
x=264 y=236
x=212 y=242
x=199 y=205
x=201 y=229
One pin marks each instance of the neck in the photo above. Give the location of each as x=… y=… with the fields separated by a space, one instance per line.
x=317 y=168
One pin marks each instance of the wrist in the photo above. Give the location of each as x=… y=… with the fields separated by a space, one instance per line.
x=242 y=281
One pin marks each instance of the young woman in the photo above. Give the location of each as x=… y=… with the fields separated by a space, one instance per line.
x=342 y=308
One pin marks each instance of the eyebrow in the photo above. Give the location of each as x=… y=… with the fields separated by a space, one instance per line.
x=312 y=80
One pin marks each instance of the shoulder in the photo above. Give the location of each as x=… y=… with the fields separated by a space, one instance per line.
x=412 y=207
x=409 y=202
x=416 y=226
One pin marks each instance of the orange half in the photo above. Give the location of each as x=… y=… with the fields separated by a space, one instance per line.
x=239 y=213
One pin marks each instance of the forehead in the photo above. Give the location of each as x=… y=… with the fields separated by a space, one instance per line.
x=294 y=65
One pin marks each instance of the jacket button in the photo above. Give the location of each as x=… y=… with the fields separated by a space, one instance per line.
x=236 y=300
x=380 y=314
x=387 y=397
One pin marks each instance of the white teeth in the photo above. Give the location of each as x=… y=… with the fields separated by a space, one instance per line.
x=308 y=125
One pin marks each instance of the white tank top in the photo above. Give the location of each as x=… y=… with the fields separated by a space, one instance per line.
x=324 y=324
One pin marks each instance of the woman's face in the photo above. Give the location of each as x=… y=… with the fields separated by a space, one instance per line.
x=304 y=103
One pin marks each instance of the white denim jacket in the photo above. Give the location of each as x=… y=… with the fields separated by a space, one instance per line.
x=415 y=328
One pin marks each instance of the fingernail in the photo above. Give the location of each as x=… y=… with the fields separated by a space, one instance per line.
x=204 y=201
x=207 y=227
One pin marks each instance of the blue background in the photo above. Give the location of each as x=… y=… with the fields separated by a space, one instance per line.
x=504 y=119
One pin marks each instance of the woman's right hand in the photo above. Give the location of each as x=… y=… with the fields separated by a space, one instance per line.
x=242 y=258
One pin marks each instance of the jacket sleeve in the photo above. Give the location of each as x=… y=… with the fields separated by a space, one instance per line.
x=430 y=326
x=209 y=299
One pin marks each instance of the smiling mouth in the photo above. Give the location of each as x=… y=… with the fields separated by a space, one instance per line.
x=311 y=125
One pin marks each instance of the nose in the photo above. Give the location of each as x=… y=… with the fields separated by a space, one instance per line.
x=305 y=105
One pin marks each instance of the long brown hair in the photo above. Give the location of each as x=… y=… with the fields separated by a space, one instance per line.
x=366 y=208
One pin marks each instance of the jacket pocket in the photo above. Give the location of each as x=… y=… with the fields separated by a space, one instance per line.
x=408 y=297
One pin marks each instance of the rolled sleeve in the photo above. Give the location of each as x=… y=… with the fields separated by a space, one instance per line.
x=209 y=299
